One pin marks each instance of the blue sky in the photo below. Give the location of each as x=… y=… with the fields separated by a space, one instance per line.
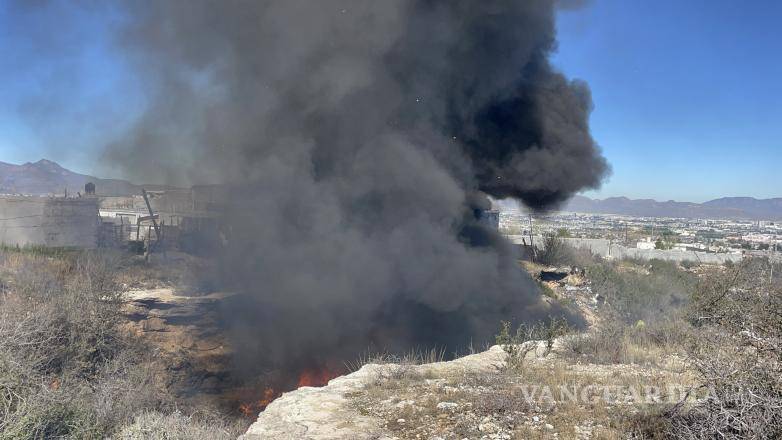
x=64 y=90
x=688 y=94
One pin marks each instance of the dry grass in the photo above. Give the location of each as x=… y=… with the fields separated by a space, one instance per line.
x=520 y=403
x=188 y=274
x=604 y=416
x=68 y=367
x=614 y=342
x=178 y=426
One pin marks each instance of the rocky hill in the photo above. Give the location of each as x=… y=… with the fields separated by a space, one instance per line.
x=46 y=177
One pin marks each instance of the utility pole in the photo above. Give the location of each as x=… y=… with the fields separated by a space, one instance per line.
x=530 y=230
x=151 y=215
x=531 y=240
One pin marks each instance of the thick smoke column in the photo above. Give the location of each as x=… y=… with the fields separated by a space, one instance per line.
x=359 y=137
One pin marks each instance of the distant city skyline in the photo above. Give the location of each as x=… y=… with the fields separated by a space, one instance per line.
x=687 y=95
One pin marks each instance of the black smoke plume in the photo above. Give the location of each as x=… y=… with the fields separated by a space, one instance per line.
x=359 y=138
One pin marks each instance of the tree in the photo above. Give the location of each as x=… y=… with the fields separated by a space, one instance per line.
x=555 y=251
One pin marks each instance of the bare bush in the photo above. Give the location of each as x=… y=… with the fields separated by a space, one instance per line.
x=615 y=342
x=67 y=369
x=556 y=251
x=607 y=344
x=737 y=352
x=526 y=339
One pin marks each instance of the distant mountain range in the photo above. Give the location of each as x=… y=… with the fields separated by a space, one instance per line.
x=724 y=208
x=47 y=177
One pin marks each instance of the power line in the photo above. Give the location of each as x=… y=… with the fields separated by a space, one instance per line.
x=20 y=217
x=54 y=216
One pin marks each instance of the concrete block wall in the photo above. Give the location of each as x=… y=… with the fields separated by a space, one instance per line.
x=52 y=222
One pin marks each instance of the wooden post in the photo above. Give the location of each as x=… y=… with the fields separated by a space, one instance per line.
x=533 y=252
x=151 y=214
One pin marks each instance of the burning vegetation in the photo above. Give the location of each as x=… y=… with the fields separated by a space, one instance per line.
x=274 y=384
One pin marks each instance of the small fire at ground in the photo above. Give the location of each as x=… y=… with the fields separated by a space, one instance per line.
x=310 y=377
x=251 y=409
x=316 y=378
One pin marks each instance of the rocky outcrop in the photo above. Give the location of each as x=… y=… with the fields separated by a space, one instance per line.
x=326 y=413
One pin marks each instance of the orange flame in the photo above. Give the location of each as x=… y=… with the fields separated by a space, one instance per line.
x=247 y=409
x=252 y=409
x=315 y=378
x=312 y=377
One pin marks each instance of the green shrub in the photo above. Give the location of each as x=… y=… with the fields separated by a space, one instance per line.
x=646 y=293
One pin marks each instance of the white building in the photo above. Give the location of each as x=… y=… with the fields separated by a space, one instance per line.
x=647 y=243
